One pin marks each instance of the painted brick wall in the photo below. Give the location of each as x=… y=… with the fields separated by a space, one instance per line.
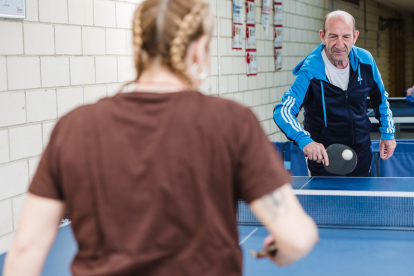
x=73 y=52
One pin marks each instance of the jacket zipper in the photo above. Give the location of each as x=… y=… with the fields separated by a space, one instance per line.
x=349 y=113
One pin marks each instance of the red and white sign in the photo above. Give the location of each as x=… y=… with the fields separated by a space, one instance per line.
x=251 y=61
x=251 y=55
x=237 y=25
x=265 y=20
x=250 y=37
x=250 y=15
x=278 y=33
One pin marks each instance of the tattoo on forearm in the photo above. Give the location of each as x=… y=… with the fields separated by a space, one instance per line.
x=275 y=203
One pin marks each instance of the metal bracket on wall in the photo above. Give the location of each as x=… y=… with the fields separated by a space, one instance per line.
x=385 y=23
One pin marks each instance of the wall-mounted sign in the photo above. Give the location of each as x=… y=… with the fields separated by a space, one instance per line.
x=265 y=20
x=278 y=32
x=237 y=25
x=13 y=9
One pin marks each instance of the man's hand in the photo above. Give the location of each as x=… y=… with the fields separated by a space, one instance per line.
x=387 y=148
x=316 y=151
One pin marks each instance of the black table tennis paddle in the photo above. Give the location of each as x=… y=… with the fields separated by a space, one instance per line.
x=271 y=249
x=342 y=159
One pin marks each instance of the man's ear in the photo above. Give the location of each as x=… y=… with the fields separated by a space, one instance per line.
x=356 y=34
x=322 y=36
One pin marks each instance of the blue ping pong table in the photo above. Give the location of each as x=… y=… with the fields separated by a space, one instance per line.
x=402 y=112
x=366 y=227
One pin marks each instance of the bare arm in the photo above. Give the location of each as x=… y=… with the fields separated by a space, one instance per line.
x=37 y=230
x=293 y=230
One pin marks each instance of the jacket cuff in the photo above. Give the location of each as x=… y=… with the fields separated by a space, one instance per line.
x=387 y=136
x=304 y=141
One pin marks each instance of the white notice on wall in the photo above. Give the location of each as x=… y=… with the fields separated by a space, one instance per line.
x=237 y=36
x=250 y=12
x=265 y=20
x=278 y=13
x=237 y=11
x=251 y=60
x=278 y=36
x=237 y=25
x=278 y=59
x=250 y=37
x=278 y=32
x=13 y=8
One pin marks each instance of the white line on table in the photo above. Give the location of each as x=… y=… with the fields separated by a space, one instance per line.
x=306 y=183
x=248 y=236
x=354 y=193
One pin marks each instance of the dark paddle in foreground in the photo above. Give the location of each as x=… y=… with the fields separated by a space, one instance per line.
x=342 y=159
x=271 y=249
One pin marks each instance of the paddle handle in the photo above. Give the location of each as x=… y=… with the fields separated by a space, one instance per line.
x=271 y=249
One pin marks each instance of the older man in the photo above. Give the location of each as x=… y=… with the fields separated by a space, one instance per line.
x=332 y=85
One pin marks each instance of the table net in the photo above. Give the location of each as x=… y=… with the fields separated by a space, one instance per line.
x=349 y=211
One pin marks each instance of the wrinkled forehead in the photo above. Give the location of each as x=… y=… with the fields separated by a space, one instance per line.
x=339 y=24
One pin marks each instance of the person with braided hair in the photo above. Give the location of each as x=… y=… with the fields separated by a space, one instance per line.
x=151 y=178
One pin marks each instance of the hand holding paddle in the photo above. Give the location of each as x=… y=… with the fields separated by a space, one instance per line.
x=316 y=152
x=269 y=249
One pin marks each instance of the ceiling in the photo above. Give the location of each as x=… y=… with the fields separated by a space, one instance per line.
x=399 y=5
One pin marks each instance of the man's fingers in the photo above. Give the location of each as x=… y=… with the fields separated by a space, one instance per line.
x=388 y=151
x=382 y=150
x=320 y=157
x=325 y=157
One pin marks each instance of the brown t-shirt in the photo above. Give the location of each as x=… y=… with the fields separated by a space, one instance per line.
x=151 y=182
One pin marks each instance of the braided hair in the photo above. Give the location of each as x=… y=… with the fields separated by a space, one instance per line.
x=164 y=29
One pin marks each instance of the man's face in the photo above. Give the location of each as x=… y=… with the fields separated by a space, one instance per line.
x=339 y=38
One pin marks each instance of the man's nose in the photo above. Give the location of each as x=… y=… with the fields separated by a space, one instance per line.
x=340 y=44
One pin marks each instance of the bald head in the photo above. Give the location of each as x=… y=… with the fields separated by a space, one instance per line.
x=338 y=15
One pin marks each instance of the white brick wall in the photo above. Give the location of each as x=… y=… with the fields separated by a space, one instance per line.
x=4 y=146
x=17 y=203
x=14 y=179
x=115 y=42
x=68 y=40
x=93 y=41
x=82 y=70
x=25 y=141
x=39 y=39
x=94 y=93
x=106 y=69
x=55 y=71
x=13 y=31
x=3 y=74
x=81 y=12
x=104 y=13
x=53 y=11
x=41 y=105
x=23 y=73
x=12 y=109
x=68 y=99
x=6 y=217
x=47 y=129
x=33 y=164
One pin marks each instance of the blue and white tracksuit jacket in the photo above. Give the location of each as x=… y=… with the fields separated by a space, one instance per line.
x=332 y=115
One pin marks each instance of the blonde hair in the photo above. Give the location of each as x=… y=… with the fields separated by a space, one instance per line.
x=164 y=29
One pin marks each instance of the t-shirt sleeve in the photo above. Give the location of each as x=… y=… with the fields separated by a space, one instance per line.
x=46 y=181
x=259 y=167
